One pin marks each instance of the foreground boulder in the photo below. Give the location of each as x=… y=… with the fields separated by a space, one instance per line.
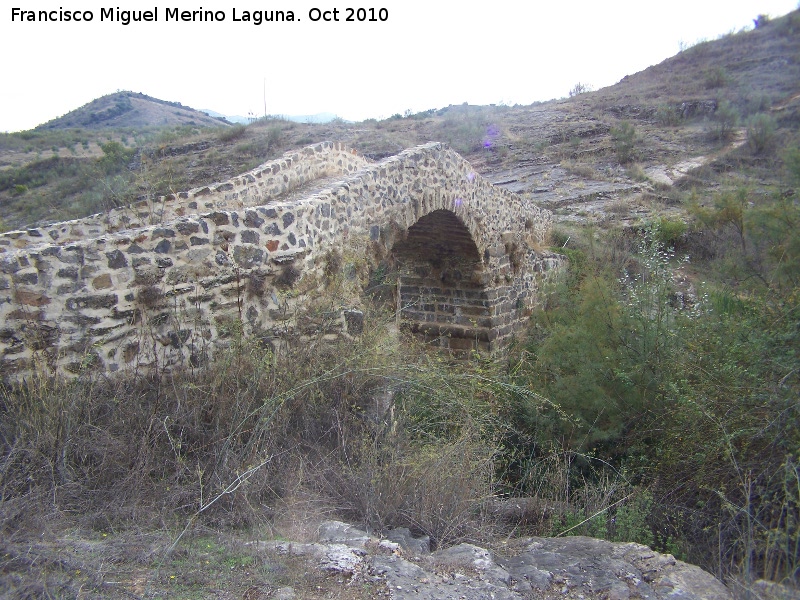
x=565 y=568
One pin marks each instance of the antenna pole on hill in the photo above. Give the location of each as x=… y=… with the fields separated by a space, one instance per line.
x=265 y=98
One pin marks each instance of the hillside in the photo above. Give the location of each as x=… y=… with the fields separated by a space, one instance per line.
x=131 y=110
x=53 y=173
x=653 y=398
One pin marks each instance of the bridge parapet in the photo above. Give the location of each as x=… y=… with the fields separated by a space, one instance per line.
x=257 y=187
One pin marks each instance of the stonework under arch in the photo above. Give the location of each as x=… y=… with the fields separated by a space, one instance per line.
x=442 y=284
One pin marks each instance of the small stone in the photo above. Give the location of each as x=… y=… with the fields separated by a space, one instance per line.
x=249 y=237
x=102 y=282
x=161 y=232
x=252 y=219
x=187 y=227
x=116 y=259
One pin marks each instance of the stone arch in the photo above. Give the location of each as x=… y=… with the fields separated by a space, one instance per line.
x=461 y=203
x=442 y=282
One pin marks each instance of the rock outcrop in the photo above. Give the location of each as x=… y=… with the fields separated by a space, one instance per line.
x=565 y=568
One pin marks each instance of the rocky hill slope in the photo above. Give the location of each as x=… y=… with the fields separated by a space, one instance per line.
x=129 y=109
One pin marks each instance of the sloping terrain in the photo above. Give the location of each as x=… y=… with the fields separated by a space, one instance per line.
x=129 y=109
x=560 y=152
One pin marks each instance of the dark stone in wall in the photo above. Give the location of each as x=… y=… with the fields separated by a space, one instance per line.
x=40 y=335
x=187 y=227
x=26 y=278
x=150 y=295
x=252 y=219
x=9 y=266
x=178 y=338
x=256 y=282
x=81 y=320
x=288 y=219
x=250 y=237
x=287 y=277
x=247 y=256
x=354 y=319
x=148 y=276
x=163 y=247
x=72 y=255
x=116 y=259
x=252 y=314
x=68 y=273
x=81 y=302
x=272 y=229
x=165 y=233
x=68 y=288
x=223 y=236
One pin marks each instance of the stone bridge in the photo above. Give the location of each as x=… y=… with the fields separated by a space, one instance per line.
x=287 y=248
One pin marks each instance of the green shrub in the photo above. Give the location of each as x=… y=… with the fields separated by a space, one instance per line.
x=761 y=130
x=229 y=134
x=579 y=88
x=791 y=162
x=624 y=138
x=724 y=121
x=757 y=102
x=669 y=231
x=716 y=78
x=668 y=115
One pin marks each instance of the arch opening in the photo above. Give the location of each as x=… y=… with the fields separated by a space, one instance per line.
x=442 y=295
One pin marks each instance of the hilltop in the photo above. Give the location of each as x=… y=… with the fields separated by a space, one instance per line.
x=123 y=110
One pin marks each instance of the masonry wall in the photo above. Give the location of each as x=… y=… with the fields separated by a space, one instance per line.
x=173 y=293
x=262 y=185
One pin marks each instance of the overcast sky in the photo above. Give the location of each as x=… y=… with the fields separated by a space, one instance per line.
x=425 y=55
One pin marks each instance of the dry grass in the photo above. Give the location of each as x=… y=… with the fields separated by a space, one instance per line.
x=375 y=433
